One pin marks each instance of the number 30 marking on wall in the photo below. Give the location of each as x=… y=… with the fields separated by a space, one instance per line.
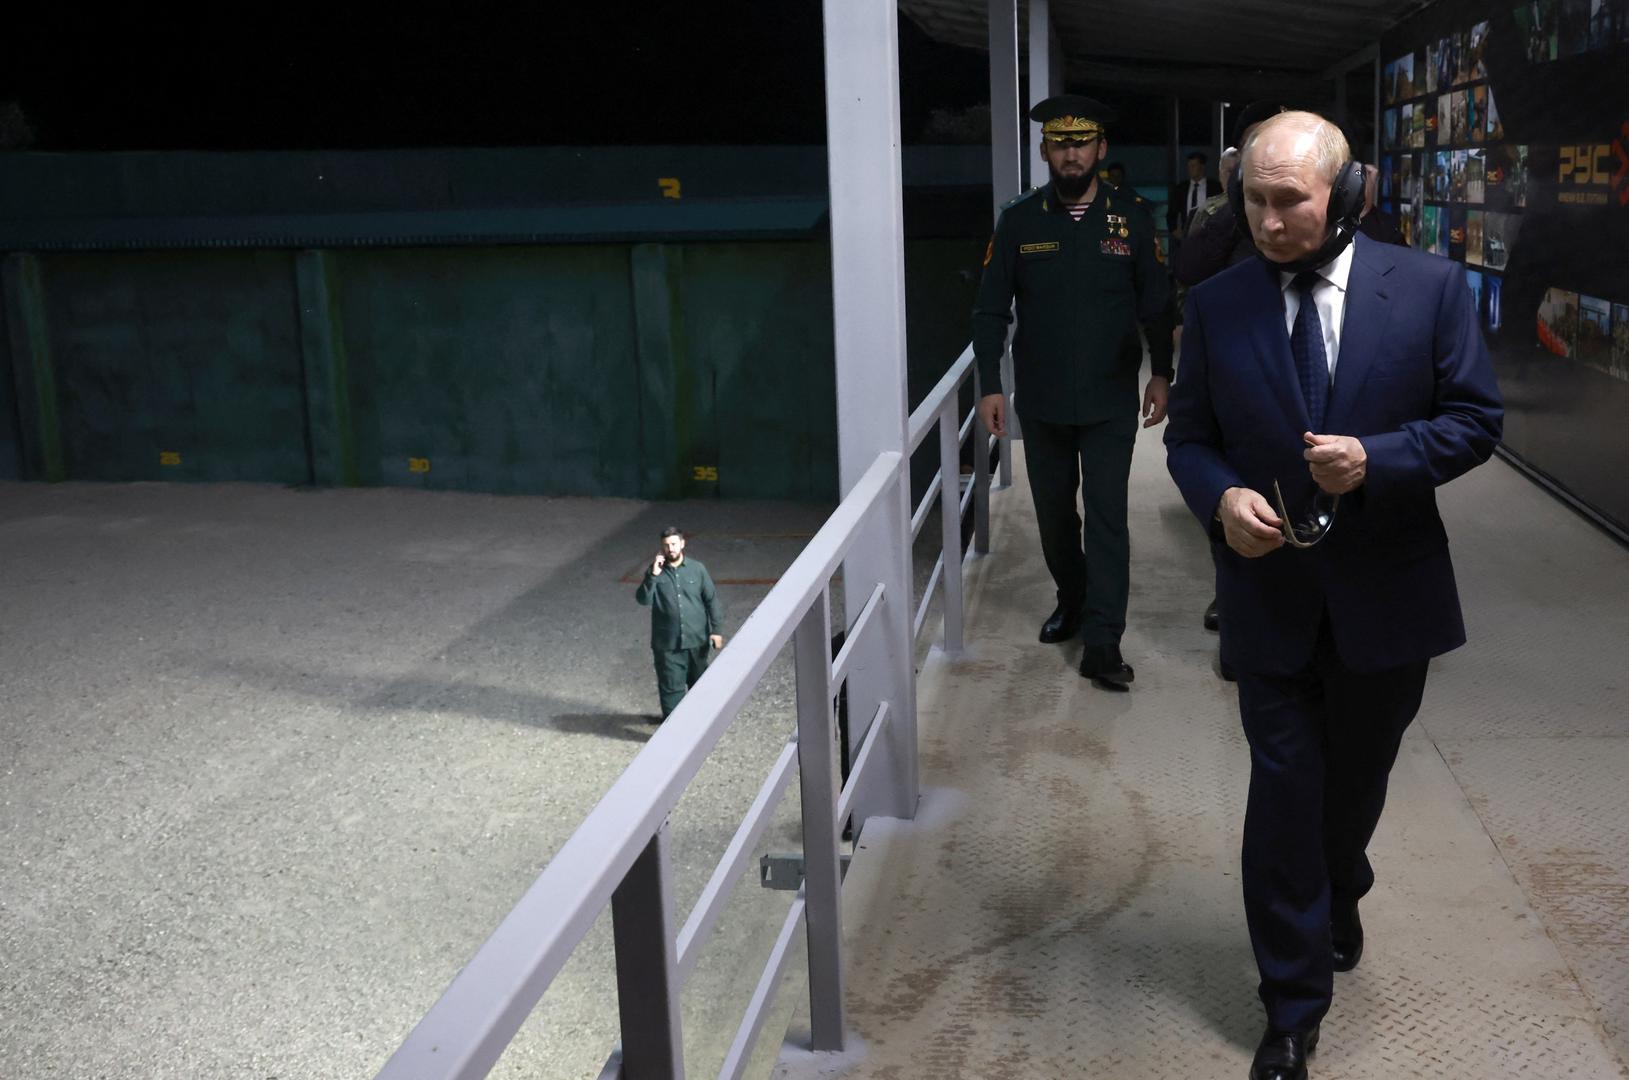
x=418 y=464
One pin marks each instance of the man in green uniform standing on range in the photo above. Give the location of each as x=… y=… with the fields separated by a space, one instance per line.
x=686 y=619
x=1082 y=261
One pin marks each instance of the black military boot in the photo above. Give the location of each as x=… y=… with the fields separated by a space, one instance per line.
x=1107 y=669
x=1062 y=625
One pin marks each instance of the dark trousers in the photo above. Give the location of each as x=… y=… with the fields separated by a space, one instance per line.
x=1322 y=744
x=1090 y=565
x=676 y=672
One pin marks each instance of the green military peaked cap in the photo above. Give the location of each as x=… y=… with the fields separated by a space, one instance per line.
x=1072 y=118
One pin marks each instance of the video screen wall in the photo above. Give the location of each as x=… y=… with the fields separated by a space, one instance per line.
x=1505 y=147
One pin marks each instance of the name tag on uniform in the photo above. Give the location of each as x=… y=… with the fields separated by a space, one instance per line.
x=1115 y=246
x=1034 y=249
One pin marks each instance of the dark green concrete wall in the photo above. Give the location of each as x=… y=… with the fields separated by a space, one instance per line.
x=177 y=366
x=758 y=385
x=505 y=369
x=10 y=436
x=647 y=370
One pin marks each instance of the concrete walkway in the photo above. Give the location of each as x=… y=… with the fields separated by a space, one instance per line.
x=1067 y=902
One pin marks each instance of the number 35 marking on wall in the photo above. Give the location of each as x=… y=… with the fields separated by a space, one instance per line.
x=418 y=464
x=169 y=457
x=705 y=473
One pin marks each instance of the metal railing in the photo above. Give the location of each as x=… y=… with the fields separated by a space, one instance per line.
x=619 y=855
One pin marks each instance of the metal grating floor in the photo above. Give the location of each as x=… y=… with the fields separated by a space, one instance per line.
x=1067 y=901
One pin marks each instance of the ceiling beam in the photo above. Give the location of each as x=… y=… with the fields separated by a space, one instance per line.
x=1221 y=84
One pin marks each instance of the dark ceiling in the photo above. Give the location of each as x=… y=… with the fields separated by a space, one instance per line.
x=1209 y=48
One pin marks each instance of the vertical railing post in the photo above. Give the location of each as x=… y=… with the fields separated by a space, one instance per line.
x=981 y=478
x=822 y=859
x=647 y=966
x=950 y=518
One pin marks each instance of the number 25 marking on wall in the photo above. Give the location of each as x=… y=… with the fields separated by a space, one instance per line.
x=669 y=186
x=705 y=473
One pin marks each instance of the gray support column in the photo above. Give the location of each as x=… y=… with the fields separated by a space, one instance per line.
x=1006 y=180
x=34 y=375
x=1174 y=141
x=1054 y=55
x=1006 y=147
x=659 y=333
x=868 y=316
x=330 y=437
x=1374 y=146
x=1040 y=82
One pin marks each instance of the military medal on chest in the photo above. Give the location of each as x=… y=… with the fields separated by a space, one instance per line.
x=1119 y=231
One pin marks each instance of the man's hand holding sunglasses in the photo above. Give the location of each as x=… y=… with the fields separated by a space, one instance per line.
x=1338 y=462
x=1249 y=522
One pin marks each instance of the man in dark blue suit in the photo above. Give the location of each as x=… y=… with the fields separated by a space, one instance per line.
x=1325 y=391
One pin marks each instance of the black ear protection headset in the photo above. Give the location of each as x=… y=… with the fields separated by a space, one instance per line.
x=1346 y=198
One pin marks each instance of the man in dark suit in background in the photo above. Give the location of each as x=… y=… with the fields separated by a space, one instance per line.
x=1325 y=391
x=1189 y=195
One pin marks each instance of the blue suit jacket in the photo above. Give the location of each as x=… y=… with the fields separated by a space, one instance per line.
x=1412 y=382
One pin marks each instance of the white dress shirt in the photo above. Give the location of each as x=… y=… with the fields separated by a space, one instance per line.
x=1330 y=297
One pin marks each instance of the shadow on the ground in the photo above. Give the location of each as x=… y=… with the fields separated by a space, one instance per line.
x=631 y=727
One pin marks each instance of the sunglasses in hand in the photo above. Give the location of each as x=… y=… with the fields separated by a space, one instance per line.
x=1304 y=530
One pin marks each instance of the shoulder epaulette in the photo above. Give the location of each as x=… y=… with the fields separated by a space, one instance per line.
x=1016 y=199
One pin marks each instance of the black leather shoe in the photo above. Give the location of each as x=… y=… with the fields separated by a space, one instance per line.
x=1061 y=625
x=1283 y=1055
x=1213 y=621
x=1346 y=934
x=1106 y=668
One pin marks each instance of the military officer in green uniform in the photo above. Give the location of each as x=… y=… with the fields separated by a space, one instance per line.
x=686 y=618
x=1081 y=260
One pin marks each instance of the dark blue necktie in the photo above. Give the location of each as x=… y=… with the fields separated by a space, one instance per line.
x=1307 y=346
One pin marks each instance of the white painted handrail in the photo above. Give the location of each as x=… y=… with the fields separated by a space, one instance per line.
x=617 y=857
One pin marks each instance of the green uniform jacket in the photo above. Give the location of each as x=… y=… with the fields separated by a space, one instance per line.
x=684 y=607
x=1081 y=288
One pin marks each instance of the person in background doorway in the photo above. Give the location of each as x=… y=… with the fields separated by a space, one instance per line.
x=1215 y=239
x=686 y=618
x=1189 y=195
